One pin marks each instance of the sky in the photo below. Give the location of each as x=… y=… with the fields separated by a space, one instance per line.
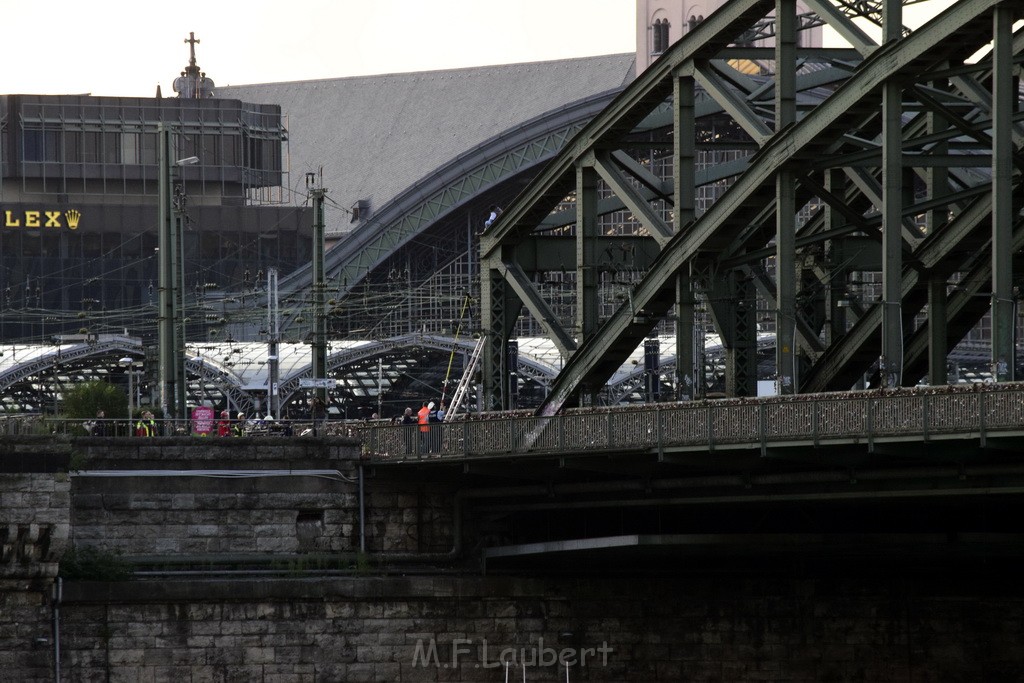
x=127 y=47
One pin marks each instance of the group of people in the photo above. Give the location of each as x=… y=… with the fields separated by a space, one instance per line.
x=147 y=425
x=428 y=419
x=100 y=426
x=241 y=426
x=225 y=426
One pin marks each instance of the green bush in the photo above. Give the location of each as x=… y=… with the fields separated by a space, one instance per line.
x=83 y=400
x=93 y=564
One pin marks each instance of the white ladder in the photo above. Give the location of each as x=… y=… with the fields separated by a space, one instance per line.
x=467 y=378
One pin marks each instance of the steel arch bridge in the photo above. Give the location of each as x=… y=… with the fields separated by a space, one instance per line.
x=899 y=159
x=441 y=206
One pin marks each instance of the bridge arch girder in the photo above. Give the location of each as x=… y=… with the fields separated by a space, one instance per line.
x=802 y=146
x=490 y=173
x=41 y=365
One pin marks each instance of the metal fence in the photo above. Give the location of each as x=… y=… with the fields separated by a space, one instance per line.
x=809 y=419
x=805 y=419
x=41 y=425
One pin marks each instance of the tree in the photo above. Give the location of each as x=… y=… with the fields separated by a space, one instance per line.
x=83 y=400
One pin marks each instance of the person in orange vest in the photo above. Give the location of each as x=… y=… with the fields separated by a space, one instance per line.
x=423 y=418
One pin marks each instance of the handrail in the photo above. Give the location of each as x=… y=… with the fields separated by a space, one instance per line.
x=811 y=420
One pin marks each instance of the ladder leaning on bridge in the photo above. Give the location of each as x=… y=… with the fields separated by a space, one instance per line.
x=467 y=377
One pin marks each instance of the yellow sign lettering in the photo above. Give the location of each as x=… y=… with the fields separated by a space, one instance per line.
x=36 y=218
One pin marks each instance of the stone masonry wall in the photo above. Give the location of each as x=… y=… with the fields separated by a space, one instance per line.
x=203 y=498
x=690 y=628
x=34 y=523
x=194 y=501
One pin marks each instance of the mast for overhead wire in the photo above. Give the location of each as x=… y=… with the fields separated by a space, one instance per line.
x=273 y=337
x=317 y=193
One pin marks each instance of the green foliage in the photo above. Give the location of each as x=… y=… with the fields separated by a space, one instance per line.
x=83 y=400
x=76 y=462
x=93 y=564
x=363 y=564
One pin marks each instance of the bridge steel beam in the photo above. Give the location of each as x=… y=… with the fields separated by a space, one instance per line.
x=1004 y=99
x=873 y=126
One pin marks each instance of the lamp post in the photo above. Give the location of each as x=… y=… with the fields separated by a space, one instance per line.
x=126 y=363
x=130 y=365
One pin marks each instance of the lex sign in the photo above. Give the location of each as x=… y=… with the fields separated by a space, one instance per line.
x=42 y=218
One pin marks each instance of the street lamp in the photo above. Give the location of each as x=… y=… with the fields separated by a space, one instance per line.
x=128 y=363
x=201 y=362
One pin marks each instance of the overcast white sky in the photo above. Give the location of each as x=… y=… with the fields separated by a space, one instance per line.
x=127 y=47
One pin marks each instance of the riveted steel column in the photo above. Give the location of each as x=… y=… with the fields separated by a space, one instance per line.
x=686 y=352
x=839 y=296
x=586 y=251
x=937 y=181
x=785 y=202
x=685 y=151
x=937 y=345
x=891 y=361
x=492 y=325
x=1004 y=96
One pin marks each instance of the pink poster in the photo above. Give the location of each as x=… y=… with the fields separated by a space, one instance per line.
x=202 y=421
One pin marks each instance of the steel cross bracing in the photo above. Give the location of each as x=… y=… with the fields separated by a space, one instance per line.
x=890 y=149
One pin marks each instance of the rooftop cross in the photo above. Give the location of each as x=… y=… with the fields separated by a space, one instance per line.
x=192 y=41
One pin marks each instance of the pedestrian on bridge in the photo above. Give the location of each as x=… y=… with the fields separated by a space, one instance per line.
x=224 y=424
x=146 y=426
x=423 y=419
x=434 y=425
x=408 y=431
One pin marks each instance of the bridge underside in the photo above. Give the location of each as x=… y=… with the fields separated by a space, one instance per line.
x=918 y=503
x=864 y=204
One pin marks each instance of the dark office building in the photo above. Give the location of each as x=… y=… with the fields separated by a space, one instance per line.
x=78 y=209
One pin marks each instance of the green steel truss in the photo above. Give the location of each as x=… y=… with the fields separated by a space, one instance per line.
x=891 y=167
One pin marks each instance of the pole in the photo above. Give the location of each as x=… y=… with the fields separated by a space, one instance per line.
x=171 y=337
x=274 y=337
x=317 y=193
x=165 y=240
x=178 y=193
x=380 y=387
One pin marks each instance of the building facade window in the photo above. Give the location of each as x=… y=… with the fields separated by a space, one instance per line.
x=661 y=27
x=42 y=145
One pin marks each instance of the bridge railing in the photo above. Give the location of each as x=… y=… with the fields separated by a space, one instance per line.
x=805 y=419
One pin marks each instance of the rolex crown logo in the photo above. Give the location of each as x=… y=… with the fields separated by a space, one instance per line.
x=73 y=217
